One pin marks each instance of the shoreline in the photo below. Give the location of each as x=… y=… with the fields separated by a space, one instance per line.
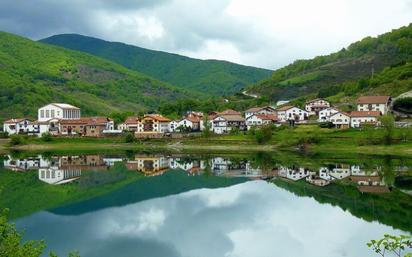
x=212 y=146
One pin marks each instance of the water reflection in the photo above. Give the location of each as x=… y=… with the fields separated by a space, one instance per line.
x=252 y=219
x=57 y=170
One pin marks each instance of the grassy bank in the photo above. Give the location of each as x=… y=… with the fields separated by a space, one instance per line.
x=308 y=139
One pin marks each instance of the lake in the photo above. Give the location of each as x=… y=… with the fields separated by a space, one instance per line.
x=188 y=205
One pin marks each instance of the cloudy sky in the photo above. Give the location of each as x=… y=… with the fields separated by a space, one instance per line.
x=263 y=33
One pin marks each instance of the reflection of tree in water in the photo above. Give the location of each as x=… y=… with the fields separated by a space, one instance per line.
x=388 y=173
x=263 y=161
x=91 y=179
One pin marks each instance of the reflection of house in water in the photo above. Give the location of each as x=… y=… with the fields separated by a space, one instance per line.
x=222 y=165
x=111 y=161
x=316 y=180
x=55 y=176
x=324 y=173
x=369 y=182
x=149 y=165
x=30 y=163
x=340 y=171
x=293 y=173
x=83 y=162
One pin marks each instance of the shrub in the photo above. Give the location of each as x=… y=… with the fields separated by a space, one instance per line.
x=46 y=137
x=326 y=125
x=17 y=140
x=4 y=135
x=263 y=135
x=129 y=137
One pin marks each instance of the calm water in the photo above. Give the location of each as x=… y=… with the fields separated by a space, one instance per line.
x=207 y=206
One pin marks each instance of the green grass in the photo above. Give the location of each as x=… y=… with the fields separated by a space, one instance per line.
x=33 y=74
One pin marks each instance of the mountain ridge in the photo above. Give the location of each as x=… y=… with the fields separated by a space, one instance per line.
x=211 y=77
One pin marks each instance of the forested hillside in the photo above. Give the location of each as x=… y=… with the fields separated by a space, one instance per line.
x=33 y=74
x=210 y=77
x=372 y=65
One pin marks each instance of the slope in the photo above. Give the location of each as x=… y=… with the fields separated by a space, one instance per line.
x=33 y=74
x=381 y=62
x=207 y=76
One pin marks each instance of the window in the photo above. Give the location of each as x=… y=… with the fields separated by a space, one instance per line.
x=52 y=113
x=47 y=113
x=41 y=113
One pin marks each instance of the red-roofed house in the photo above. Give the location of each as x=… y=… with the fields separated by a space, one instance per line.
x=87 y=126
x=359 y=118
x=259 y=110
x=257 y=120
x=153 y=125
x=374 y=103
x=16 y=126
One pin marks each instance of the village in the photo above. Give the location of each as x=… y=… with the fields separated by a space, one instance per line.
x=61 y=119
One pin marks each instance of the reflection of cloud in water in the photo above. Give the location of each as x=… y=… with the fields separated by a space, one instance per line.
x=254 y=219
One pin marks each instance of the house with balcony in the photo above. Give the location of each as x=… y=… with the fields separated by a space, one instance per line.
x=259 y=120
x=313 y=107
x=226 y=121
x=291 y=113
x=152 y=126
x=87 y=126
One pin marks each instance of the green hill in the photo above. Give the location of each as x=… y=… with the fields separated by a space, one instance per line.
x=33 y=74
x=207 y=76
x=372 y=65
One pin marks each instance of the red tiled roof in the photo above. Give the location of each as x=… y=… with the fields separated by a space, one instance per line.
x=317 y=99
x=373 y=189
x=383 y=99
x=229 y=112
x=285 y=108
x=254 y=109
x=158 y=117
x=271 y=117
x=12 y=121
x=365 y=114
x=131 y=120
x=87 y=121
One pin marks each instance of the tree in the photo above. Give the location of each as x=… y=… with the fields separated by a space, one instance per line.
x=206 y=124
x=388 y=125
x=263 y=134
x=393 y=245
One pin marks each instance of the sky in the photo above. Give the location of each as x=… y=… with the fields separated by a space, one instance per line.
x=262 y=33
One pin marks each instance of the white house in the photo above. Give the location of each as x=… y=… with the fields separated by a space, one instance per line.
x=340 y=120
x=58 y=111
x=360 y=118
x=259 y=110
x=225 y=123
x=17 y=126
x=374 y=103
x=257 y=120
x=173 y=125
x=313 y=107
x=324 y=115
x=294 y=174
x=287 y=113
x=55 y=176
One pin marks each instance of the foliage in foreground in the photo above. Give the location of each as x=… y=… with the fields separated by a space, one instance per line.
x=392 y=245
x=12 y=245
